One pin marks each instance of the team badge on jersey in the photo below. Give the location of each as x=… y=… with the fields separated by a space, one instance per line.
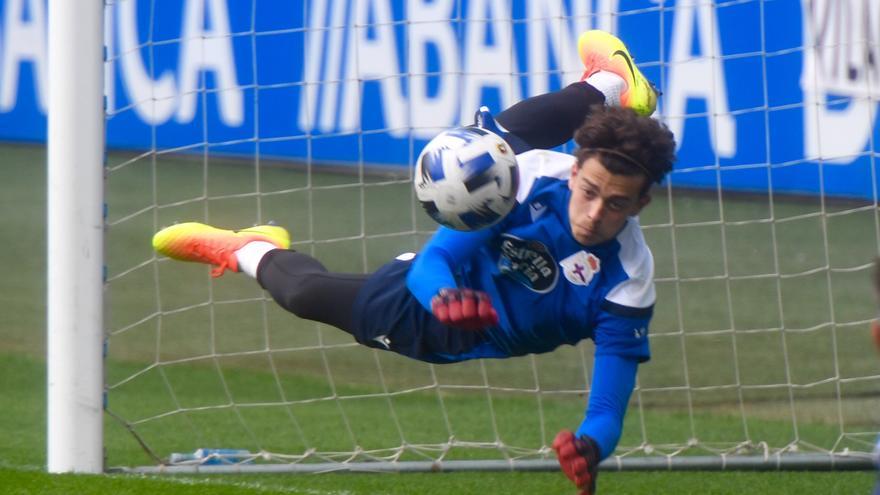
x=580 y=267
x=529 y=262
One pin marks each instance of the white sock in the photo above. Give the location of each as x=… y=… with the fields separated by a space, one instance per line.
x=610 y=84
x=250 y=254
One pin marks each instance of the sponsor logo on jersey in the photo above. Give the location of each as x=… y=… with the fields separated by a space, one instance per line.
x=580 y=267
x=640 y=332
x=529 y=262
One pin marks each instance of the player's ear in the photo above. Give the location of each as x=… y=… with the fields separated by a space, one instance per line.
x=644 y=200
x=573 y=176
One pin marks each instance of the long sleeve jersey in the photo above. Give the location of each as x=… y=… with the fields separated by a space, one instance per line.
x=549 y=290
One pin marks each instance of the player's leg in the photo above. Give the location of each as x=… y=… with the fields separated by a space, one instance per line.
x=378 y=309
x=303 y=286
x=388 y=316
x=877 y=461
x=549 y=120
x=299 y=283
x=610 y=77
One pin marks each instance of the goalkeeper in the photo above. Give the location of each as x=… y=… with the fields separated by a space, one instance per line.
x=568 y=263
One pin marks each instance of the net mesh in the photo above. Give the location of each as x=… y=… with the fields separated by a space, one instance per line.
x=759 y=339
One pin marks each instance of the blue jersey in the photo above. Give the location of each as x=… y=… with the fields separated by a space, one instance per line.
x=548 y=289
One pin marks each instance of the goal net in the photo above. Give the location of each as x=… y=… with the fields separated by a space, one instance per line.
x=309 y=114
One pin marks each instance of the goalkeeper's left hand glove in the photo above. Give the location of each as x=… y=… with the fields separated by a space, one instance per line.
x=579 y=460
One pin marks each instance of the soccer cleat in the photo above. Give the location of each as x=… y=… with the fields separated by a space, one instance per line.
x=193 y=241
x=600 y=51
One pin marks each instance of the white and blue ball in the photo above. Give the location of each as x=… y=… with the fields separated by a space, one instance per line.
x=467 y=178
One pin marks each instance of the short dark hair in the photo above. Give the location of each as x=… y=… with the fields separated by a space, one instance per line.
x=626 y=143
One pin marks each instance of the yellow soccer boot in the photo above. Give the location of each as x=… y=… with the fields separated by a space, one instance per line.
x=193 y=241
x=602 y=51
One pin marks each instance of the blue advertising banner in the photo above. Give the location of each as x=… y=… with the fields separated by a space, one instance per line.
x=761 y=95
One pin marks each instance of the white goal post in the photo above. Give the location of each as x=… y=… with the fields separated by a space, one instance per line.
x=237 y=112
x=75 y=237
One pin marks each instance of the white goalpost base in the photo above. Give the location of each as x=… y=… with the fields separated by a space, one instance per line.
x=800 y=462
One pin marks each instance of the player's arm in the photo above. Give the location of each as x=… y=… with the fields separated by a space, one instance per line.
x=620 y=332
x=579 y=453
x=432 y=282
x=614 y=378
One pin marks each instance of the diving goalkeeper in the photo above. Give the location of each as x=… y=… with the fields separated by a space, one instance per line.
x=568 y=263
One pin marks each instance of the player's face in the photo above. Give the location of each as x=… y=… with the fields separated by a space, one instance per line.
x=601 y=201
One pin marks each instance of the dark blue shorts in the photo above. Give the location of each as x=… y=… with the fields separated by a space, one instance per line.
x=387 y=316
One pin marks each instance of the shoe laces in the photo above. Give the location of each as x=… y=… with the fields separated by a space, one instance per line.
x=217 y=256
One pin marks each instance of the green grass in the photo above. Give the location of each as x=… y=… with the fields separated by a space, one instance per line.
x=198 y=359
x=21 y=458
x=29 y=482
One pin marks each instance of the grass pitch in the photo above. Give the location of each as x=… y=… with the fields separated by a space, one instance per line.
x=201 y=362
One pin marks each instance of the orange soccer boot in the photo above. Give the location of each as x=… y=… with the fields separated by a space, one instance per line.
x=193 y=241
x=602 y=51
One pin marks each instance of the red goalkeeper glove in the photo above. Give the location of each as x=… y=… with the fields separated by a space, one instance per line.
x=464 y=308
x=579 y=460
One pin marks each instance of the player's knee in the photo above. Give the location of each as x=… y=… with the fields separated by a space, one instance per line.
x=299 y=296
x=282 y=269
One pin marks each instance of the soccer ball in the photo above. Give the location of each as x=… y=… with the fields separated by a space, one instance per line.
x=467 y=178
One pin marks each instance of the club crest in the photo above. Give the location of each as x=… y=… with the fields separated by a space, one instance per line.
x=580 y=267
